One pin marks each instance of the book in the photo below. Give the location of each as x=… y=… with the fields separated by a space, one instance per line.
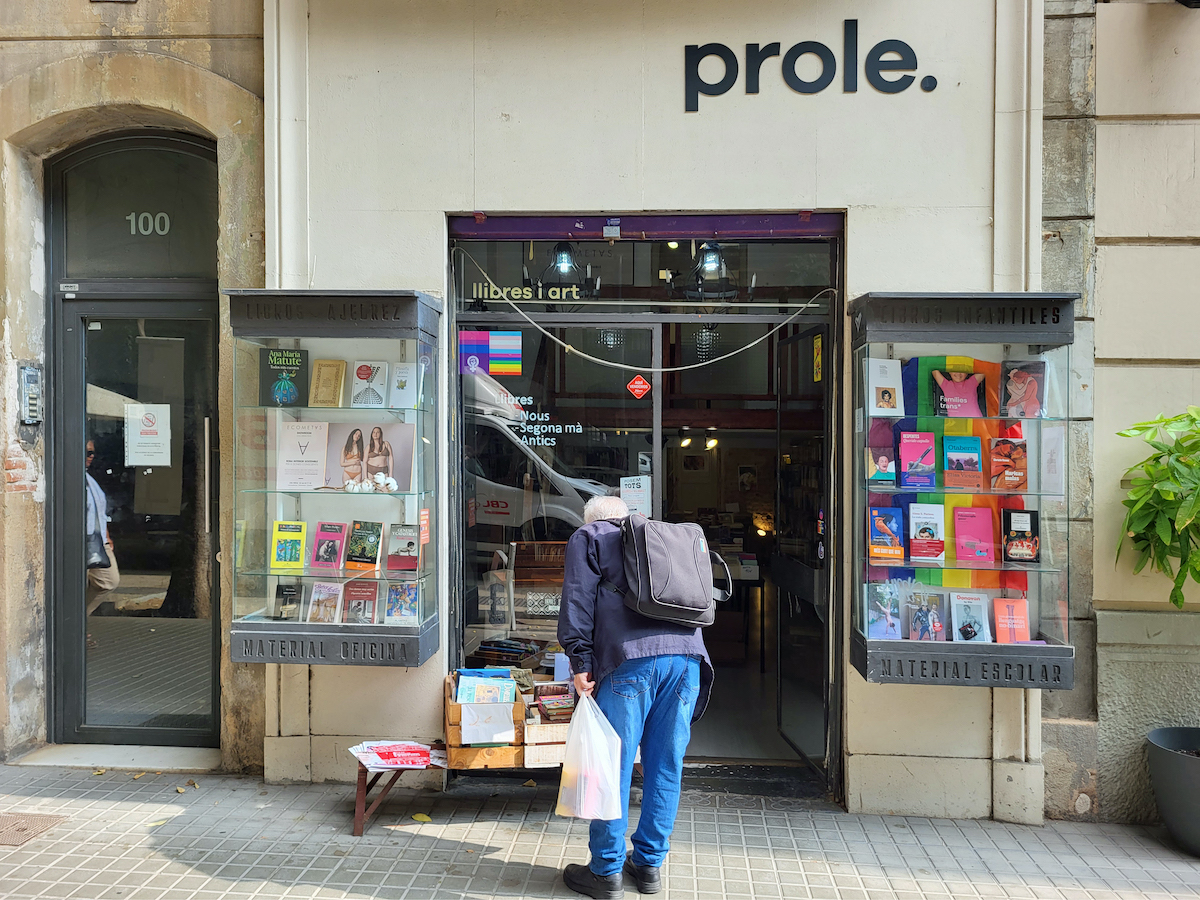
x=329 y=545
x=325 y=603
x=556 y=709
x=369 y=386
x=1020 y=541
x=884 y=397
x=1022 y=388
x=1009 y=464
x=239 y=542
x=282 y=377
x=962 y=465
x=927 y=532
x=363 y=545
x=403 y=551
x=969 y=617
x=960 y=395
x=328 y=382
x=882 y=616
x=404 y=389
x=300 y=456
x=974 y=541
x=401 y=606
x=287 y=545
x=926 y=616
x=1054 y=470
x=1012 y=619
x=287 y=602
x=881 y=464
x=918 y=463
x=486 y=690
x=358 y=602
x=886 y=536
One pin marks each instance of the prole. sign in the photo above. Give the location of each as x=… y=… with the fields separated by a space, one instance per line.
x=885 y=57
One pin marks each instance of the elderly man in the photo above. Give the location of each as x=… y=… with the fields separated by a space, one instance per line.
x=651 y=679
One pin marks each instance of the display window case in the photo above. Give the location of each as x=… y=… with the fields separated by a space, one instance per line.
x=335 y=475
x=961 y=537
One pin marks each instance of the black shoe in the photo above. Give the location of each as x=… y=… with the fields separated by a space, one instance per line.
x=647 y=878
x=585 y=881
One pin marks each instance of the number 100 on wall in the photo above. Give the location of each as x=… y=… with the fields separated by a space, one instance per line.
x=147 y=223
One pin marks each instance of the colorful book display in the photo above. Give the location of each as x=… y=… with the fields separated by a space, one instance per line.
x=918 y=463
x=963 y=466
x=363 y=546
x=926 y=533
x=882 y=613
x=358 y=602
x=884 y=397
x=282 y=377
x=325 y=603
x=1022 y=388
x=287 y=602
x=1021 y=541
x=401 y=607
x=885 y=545
x=287 y=545
x=1009 y=465
x=927 y=616
x=969 y=617
x=328 y=382
x=881 y=464
x=974 y=540
x=329 y=545
x=369 y=386
x=959 y=395
x=403 y=553
x=300 y=456
x=1012 y=619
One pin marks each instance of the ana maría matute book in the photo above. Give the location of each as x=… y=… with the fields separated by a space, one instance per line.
x=1021 y=541
x=1012 y=619
x=1022 y=388
x=969 y=617
x=926 y=616
x=883 y=388
x=403 y=552
x=883 y=611
x=329 y=545
x=1009 y=464
x=362 y=548
x=369 y=385
x=918 y=463
x=358 y=602
x=974 y=542
x=885 y=546
x=287 y=545
x=325 y=603
x=963 y=462
x=282 y=377
x=926 y=532
x=401 y=605
x=300 y=456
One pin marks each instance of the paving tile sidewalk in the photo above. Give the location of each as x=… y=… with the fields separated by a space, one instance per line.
x=236 y=838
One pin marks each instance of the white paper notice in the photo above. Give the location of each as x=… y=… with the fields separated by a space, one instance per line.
x=635 y=491
x=488 y=723
x=147 y=434
x=300 y=457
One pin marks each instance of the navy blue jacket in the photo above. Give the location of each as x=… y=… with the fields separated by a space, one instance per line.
x=595 y=627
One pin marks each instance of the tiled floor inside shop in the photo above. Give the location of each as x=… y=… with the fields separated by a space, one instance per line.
x=236 y=839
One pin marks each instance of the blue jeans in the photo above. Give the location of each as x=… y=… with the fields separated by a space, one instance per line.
x=648 y=702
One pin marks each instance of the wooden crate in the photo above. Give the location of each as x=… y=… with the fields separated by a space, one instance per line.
x=539 y=756
x=509 y=756
x=540 y=554
x=546 y=734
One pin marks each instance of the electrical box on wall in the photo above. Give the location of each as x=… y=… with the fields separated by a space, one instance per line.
x=30 y=392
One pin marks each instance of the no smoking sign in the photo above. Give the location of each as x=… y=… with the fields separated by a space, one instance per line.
x=639 y=387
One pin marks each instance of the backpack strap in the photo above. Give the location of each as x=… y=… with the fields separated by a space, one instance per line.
x=721 y=594
x=607 y=585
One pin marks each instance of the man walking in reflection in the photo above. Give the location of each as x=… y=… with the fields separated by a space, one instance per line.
x=101 y=580
x=650 y=678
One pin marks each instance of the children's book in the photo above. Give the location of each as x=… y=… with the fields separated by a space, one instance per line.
x=1012 y=619
x=926 y=533
x=287 y=545
x=1021 y=541
x=885 y=546
x=881 y=465
x=328 y=382
x=962 y=465
x=882 y=611
x=363 y=545
x=282 y=377
x=358 y=602
x=329 y=545
x=403 y=552
x=300 y=456
x=1009 y=465
x=959 y=395
x=974 y=541
x=287 y=602
x=926 y=616
x=325 y=603
x=1022 y=388
x=884 y=396
x=969 y=617
x=369 y=387
x=401 y=606
x=918 y=463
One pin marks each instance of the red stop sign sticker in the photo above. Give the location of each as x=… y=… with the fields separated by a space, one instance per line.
x=639 y=387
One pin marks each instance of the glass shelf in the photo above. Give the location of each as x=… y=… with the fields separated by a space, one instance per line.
x=883 y=488
x=335 y=492
x=1049 y=419
x=995 y=567
x=356 y=410
x=408 y=575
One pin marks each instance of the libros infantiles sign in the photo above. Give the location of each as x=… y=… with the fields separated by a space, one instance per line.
x=885 y=65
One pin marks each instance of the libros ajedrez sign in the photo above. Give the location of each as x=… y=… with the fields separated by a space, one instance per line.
x=881 y=63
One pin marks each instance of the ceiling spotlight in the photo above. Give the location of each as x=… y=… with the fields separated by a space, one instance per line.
x=610 y=338
x=761 y=533
x=564 y=257
x=672 y=245
x=711 y=442
x=685 y=439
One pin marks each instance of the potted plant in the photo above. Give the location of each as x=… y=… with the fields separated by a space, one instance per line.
x=1162 y=521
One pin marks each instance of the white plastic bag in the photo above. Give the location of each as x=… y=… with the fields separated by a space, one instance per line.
x=591 y=772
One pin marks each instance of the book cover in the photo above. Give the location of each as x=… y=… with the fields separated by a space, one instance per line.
x=325 y=603
x=962 y=465
x=927 y=532
x=918 y=463
x=282 y=377
x=881 y=464
x=405 y=389
x=1023 y=388
x=357 y=453
x=959 y=395
x=328 y=382
x=1012 y=619
x=1054 y=465
x=287 y=545
x=329 y=545
x=358 y=602
x=401 y=607
x=974 y=541
x=885 y=545
x=300 y=456
x=287 y=602
x=369 y=386
x=239 y=542
x=1021 y=541
x=1009 y=464
x=486 y=690
x=884 y=396
x=883 y=611
x=969 y=617
x=362 y=547
x=403 y=551
x=926 y=616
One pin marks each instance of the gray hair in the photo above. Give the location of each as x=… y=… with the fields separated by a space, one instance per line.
x=604 y=508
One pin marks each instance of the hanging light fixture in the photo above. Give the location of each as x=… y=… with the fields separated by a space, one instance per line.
x=711 y=442
x=610 y=338
x=708 y=342
x=685 y=439
x=711 y=261
x=564 y=257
